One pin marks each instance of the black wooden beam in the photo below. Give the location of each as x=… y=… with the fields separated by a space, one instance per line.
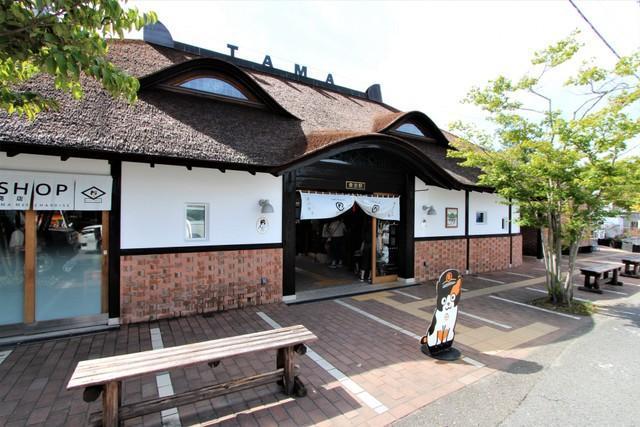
x=466 y=224
x=406 y=251
x=114 y=240
x=289 y=233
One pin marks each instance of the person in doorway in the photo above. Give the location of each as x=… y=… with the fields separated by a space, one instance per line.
x=365 y=251
x=336 y=232
x=16 y=246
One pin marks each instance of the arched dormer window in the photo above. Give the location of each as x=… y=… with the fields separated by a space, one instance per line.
x=410 y=129
x=213 y=85
x=214 y=79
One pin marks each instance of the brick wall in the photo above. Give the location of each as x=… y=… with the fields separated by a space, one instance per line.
x=171 y=285
x=486 y=254
x=438 y=255
x=517 y=250
x=489 y=254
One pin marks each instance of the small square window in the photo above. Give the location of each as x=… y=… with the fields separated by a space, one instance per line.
x=481 y=217
x=195 y=221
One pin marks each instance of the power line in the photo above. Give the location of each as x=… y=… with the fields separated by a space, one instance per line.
x=628 y=150
x=594 y=29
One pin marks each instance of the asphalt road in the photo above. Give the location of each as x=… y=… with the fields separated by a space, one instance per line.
x=592 y=378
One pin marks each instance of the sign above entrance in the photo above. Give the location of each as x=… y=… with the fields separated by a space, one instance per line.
x=355 y=185
x=321 y=206
x=54 y=191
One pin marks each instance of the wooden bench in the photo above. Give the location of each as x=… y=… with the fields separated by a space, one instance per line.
x=631 y=265
x=105 y=375
x=598 y=271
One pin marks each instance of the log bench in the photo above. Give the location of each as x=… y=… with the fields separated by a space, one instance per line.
x=598 y=271
x=104 y=376
x=631 y=265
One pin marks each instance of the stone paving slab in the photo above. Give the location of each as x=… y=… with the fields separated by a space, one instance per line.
x=376 y=356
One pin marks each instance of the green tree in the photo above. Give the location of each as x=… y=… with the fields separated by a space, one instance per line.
x=561 y=168
x=66 y=39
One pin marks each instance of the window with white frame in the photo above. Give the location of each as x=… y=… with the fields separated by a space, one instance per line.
x=195 y=221
x=481 y=217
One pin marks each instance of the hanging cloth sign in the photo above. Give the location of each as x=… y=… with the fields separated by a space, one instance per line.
x=380 y=207
x=54 y=191
x=15 y=191
x=320 y=206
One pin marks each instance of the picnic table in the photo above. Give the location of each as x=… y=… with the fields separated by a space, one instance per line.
x=600 y=271
x=631 y=266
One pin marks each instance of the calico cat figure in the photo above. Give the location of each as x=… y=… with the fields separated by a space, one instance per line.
x=440 y=335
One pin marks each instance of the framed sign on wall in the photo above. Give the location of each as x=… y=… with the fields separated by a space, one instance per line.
x=451 y=217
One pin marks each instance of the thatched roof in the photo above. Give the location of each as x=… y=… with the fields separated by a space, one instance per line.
x=300 y=119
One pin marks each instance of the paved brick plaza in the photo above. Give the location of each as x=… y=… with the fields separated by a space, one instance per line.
x=366 y=367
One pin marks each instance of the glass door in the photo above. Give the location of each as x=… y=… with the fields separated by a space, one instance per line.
x=12 y=250
x=384 y=255
x=69 y=264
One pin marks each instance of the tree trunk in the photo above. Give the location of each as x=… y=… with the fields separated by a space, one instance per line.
x=552 y=252
x=567 y=296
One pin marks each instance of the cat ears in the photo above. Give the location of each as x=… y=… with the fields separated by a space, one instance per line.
x=457 y=287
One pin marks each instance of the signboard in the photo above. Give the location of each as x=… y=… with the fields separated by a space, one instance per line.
x=439 y=337
x=355 y=185
x=53 y=192
x=15 y=191
x=93 y=193
x=21 y=190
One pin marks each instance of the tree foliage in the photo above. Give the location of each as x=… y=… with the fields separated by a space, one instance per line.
x=562 y=168
x=64 y=38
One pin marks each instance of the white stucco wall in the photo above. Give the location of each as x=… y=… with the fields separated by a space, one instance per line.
x=440 y=199
x=515 y=215
x=153 y=204
x=38 y=163
x=434 y=225
x=489 y=203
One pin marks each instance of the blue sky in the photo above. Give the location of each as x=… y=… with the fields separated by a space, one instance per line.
x=426 y=55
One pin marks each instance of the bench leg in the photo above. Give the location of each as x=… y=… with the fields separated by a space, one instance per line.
x=285 y=360
x=596 y=281
x=590 y=286
x=111 y=404
x=614 y=279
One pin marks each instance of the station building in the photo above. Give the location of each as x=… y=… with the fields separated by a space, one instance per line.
x=218 y=189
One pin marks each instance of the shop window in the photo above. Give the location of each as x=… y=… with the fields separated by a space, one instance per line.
x=214 y=86
x=195 y=223
x=481 y=217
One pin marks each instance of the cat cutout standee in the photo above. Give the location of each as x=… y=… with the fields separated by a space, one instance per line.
x=438 y=341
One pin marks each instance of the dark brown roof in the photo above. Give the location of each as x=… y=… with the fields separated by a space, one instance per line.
x=174 y=125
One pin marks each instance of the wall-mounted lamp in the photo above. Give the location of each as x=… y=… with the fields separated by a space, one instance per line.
x=429 y=210
x=265 y=206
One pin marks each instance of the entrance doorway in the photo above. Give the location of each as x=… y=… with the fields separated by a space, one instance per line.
x=352 y=248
